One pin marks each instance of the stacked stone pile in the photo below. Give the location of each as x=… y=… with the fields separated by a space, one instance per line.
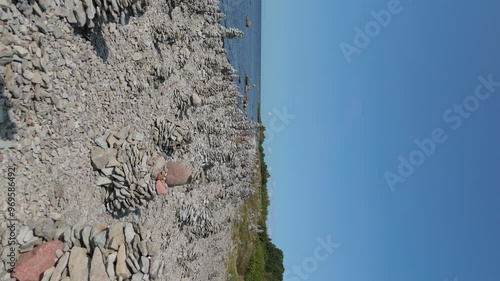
x=123 y=165
x=86 y=13
x=199 y=218
x=170 y=136
x=99 y=252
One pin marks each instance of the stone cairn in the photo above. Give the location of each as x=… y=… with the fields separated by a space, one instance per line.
x=87 y=13
x=170 y=136
x=132 y=173
x=52 y=251
x=123 y=166
x=199 y=217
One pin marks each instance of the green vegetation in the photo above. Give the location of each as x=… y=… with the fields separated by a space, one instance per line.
x=255 y=257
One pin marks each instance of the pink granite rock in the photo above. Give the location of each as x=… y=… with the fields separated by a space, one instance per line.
x=160 y=187
x=177 y=174
x=31 y=265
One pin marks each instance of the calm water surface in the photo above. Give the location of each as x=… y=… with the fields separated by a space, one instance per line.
x=245 y=53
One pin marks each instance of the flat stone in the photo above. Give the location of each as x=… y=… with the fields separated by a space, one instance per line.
x=113 y=162
x=103 y=180
x=37 y=78
x=121 y=265
x=46 y=229
x=70 y=15
x=21 y=51
x=86 y=236
x=6 y=60
x=118 y=178
x=77 y=232
x=58 y=32
x=97 y=268
x=110 y=268
x=133 y=267
x=107 y=171
x=145 y=233
x=23 y=29
x=61 y=12
x=101 y=141
x=137 y=277
x=116 y=236
x=41 y=26
x=38 y=11
x=30 y=266
x=100 y=157
x=61 y=265
x=144 y=264
x=91 y=11
x=67 y=247
x=28 y=74
x=151 y=249
x=155 y=268
x=44 y=4
x=47 y=274
x=129 y=232
x=59 y=253
x=122 y=134
x=143 y=248
x=80 y=15
x=6 y=53
x=78 y=264
x=67 y=236
x=100 y=239
x=98 y=228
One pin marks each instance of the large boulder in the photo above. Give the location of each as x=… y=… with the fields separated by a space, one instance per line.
x=177 y=174
x=31 y=265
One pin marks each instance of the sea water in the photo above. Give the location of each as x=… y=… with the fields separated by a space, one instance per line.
x=245 y=53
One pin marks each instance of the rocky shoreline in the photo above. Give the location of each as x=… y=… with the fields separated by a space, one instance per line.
x=120 y=127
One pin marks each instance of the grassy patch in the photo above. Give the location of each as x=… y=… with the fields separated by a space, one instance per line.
x=254 y=256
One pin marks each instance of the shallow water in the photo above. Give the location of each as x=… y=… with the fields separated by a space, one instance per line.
x=245 y=53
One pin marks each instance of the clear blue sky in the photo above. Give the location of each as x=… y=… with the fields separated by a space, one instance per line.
x=353 y=120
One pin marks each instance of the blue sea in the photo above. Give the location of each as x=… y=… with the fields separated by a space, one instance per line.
x=245 y=53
